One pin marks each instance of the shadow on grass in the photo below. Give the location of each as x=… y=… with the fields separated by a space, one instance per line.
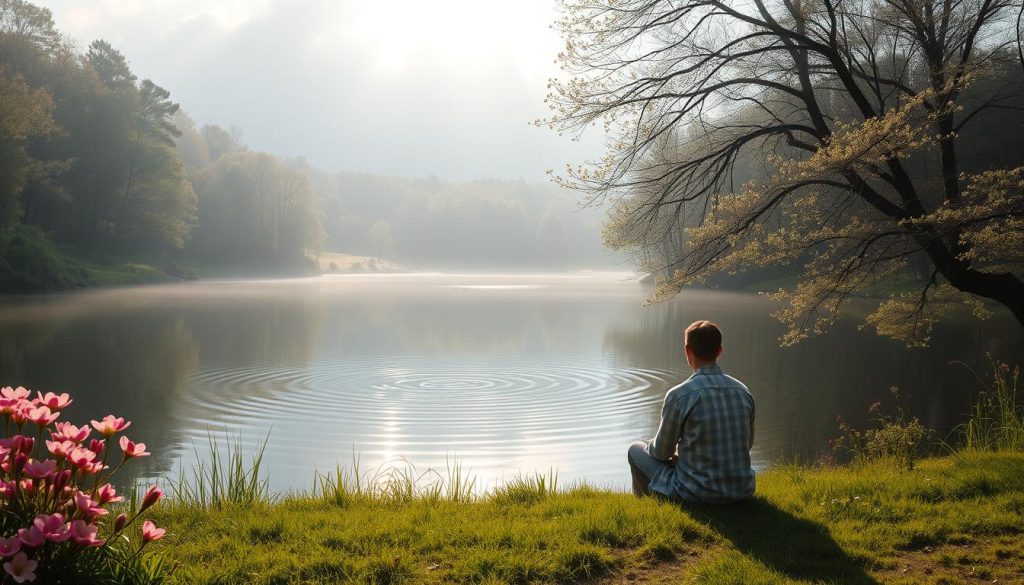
x=793 y=546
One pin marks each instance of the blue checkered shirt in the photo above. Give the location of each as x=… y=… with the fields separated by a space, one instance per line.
x=709 y=421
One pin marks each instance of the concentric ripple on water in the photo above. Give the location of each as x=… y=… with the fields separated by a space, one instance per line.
x=496 y=416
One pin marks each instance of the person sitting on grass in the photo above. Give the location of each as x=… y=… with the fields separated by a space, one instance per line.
x=701 y=452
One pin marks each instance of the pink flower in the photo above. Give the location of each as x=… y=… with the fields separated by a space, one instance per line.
x=121 y=520
x=84 y=533
x=21 y=568
x=8 y=488
x=40 y=469
x=60 y=481
x=60 y=449
x=26 y=444
x=19 y=462
x=80 y=457
x=69 y=432
x=150 y=532
x=54 y=401
x=107 y=494
x=93 y=468
x=53 y=527
x=152 y=496
x=89 y=507
x=31 y=536
x=15 y=443
x=42 y=416
x=110 y=426
x=18 y=393
x=9 y=405
x=132 y=449
x=9 y=546
x=20 y=414
x=96 y=446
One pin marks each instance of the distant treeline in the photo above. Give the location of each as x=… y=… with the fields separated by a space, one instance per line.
x=97 y=164
x=421 y=223
x=429 y=223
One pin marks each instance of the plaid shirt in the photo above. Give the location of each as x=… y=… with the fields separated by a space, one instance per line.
x=709 y=418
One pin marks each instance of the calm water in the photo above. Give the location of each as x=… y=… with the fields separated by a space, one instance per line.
x=503 y=373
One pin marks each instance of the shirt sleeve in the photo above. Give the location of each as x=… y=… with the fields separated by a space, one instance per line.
x=753 y=406
x=663 y=446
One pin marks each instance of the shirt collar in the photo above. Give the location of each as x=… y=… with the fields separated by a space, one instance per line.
x=709 y=369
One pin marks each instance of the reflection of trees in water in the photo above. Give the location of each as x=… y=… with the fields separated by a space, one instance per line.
x=280 y=331
x=132 y=366
x=132 y=354
x=477 y=323
x=801 y=389
x=274 y=330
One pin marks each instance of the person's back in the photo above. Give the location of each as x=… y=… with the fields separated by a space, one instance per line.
x=701 y=451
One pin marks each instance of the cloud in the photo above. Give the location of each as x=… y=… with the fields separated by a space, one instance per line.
x=405 y=87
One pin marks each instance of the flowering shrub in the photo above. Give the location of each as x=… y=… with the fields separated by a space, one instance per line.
x=56 y=497
x=893 y=438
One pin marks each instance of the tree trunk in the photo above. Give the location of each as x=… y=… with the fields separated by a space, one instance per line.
x=1004 y=288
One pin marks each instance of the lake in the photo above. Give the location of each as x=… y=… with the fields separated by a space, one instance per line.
x=504 y=374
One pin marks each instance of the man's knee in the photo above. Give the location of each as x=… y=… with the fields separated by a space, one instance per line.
x=636 y=450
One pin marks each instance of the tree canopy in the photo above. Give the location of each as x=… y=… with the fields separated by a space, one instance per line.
x=103 y=163
x=841 y=136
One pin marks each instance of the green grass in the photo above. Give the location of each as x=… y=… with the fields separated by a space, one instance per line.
x=116 y=273
x=225 y=479
x=996 y=419
x=955 y=519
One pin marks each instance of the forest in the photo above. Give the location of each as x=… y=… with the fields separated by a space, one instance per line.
x=103 y=171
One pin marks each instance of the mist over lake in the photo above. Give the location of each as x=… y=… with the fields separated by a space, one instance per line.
x=501 y=373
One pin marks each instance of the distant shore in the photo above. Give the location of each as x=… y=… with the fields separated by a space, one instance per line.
x=68 y=271
x=342 y=263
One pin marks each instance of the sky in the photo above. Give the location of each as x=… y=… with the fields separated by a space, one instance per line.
x=404 y=87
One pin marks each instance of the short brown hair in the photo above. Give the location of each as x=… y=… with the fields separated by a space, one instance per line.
x=704 y=339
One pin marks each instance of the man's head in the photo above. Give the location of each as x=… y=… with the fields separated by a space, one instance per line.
x=703 y=343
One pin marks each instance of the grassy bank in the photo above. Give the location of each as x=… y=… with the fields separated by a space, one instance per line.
x=30 y=262
x=956 y=519
x=117 y=273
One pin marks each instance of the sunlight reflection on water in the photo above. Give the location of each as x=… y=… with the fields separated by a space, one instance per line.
x=502 y=373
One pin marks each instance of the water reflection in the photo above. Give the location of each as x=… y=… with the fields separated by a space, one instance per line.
x=133 y=364
x=504 y=373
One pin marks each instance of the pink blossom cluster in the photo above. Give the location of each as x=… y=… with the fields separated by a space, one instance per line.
x=55 y=485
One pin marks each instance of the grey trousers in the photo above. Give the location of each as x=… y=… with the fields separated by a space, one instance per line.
x=643 y=467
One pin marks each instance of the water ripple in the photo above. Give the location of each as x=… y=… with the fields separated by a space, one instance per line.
x=489 y=411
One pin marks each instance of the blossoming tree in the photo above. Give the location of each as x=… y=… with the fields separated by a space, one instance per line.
x=857 y=115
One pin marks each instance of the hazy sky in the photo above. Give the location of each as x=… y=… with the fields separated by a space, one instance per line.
x=408 y=87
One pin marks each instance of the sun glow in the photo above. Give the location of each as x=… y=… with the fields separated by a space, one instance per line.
x=465 y=33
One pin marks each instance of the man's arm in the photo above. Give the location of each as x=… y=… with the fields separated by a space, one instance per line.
x=751 y=441
x=663 y=446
